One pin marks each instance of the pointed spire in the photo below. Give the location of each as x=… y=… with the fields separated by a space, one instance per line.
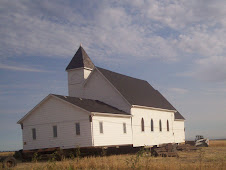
x=80 y=59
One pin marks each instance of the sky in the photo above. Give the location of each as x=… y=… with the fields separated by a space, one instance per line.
x=178 y=46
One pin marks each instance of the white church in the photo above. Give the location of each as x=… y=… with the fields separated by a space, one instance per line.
x=103 y=108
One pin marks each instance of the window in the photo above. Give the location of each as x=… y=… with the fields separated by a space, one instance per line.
x=142 y=125
x=77 y=128
x=54 y=131
x=167 y=124
x=152 y=125
x=160 y=125
x=34 y=134
x=101 y=127
x=124 y=127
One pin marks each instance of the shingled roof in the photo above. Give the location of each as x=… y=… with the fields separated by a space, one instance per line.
x=80 y=59
x=138 y=92
x=91 y=105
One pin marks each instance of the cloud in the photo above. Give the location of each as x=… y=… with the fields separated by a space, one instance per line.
x=12 y=111
x=203 y=42
x=218 y=91
x=178 y=90
x=183 y=14
x=20 y=68
x=41 y=29
x=210 y=69
x=114 y=30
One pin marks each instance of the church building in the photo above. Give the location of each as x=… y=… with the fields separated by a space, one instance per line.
x=103 y=108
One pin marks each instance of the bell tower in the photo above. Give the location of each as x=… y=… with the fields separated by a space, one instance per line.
x=78 y=70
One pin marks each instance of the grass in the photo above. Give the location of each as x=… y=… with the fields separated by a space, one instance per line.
x=6 y=153
x=218 y=143
x=213 y=157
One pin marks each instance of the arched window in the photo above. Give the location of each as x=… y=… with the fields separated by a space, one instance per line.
x=142 y=125
x=160 y=125
x=152 y=125
x=167 y=124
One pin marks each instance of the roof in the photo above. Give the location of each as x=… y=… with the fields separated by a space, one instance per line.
x=80 y=60
x=138 y=92
x=91 y=105
x=177 y=115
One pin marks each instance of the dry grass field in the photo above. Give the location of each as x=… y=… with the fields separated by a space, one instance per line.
x=218 y=143
x=6 y=153
x=213 y=157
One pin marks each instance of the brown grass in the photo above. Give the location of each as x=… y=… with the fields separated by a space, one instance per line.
x=213 y=157
x=218 y=143
x=6 y=153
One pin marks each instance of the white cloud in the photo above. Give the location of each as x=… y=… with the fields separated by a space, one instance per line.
x=20 y=68
x=178 y=90
x=211 y=69
x=218 y=91
x=12 y=111
x=134 y=30
x=201 y=41
x=181 y=14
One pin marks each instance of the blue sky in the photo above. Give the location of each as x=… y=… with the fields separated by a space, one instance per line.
x=179 y=47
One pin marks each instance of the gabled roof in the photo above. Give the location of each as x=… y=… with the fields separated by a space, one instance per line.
x=138 y=92
x=178 y=116
x=85 y=104
x=91 y=105
x=80 y=60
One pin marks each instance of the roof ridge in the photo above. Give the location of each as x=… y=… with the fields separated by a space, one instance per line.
x=72 y=97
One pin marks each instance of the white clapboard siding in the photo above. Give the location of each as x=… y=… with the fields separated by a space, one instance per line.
x=148 y=137
x=179 y=132
x=52 y=112
x=98 y=88
x=76 y=78
x=112 y=131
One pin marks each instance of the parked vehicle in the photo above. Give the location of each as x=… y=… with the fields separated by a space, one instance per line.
x=8 y=161
x=200 y=141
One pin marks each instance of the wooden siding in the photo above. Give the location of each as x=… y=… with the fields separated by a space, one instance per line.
x=98 y=88
x=54 y=112
x=112 y=131
x=155 y=137
x=179 y=132
x=76 y=77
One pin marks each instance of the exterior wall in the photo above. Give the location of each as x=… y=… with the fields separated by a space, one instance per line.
x=55 y=112
x=76 y=78
x=87 y=73
x=148 y=137
x=179 y=132
x=112 y=131
x=98 y=88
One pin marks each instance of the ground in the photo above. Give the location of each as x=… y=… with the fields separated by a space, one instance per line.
x=213 y=157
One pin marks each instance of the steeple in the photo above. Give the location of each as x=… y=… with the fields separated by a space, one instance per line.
x=80 y=60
